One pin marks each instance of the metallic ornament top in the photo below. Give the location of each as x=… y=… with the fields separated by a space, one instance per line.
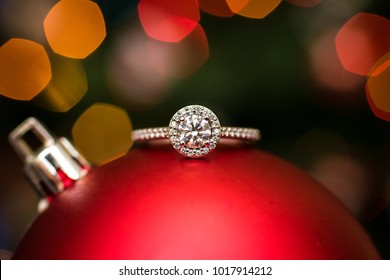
x=194 y=131
x=52 y=166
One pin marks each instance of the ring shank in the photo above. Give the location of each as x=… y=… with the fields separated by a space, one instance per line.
x=237 y=133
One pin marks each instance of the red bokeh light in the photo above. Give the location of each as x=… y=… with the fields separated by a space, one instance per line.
x=169 y=21
x=362 y=41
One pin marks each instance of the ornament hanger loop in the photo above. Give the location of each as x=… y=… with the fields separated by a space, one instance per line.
x=51 y=167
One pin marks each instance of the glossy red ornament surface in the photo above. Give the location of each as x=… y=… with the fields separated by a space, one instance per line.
x=236 y=203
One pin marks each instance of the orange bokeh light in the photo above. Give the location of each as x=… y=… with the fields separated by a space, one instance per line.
x=216 y=7
x=179 y=60
x=378 y=88
x=253 y=8
x=362 y=41
x=24 y=69
x=304 y=3
x=75 y=28
x=169 y=21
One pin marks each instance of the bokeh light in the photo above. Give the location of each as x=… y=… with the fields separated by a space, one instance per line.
x=346 y=178
x=132 y=77
x=215 y=7
x=253 y=8
x=362 y=41
x=182 y=59
x=24 y=69
x=169 y=21
x=304 y=3
x=103 y=133
x=67 y=86
x=315 y=144
x=378 y=88
x=23 y=18
x=327 y=68
x=75 y=28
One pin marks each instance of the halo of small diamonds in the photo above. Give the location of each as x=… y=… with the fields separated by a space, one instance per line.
x=194 y=131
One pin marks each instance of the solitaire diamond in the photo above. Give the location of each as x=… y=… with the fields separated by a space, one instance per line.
x=194 y=131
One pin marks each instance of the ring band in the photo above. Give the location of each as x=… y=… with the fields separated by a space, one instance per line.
x=194 y=131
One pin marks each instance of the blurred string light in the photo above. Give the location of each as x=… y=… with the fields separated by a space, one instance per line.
x=378 y=88
x=67 y=86
x=362 y=41
x=169 y=21
x=327 y=68
x=24 y=69
x=142 y=68
x=23 y=18
x=216 y=7
x=75 y=28
x=304 y=3
x=253 y=8
x=103 y=133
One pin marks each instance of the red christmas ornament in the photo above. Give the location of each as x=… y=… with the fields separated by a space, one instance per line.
x=236 y=203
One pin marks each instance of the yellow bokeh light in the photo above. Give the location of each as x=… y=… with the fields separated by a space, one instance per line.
x=67 y=86
x=24 y=69
x=253 y=8
x=103 y=133
x=75 y=28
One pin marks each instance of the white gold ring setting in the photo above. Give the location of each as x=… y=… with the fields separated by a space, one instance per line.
x=194 y=131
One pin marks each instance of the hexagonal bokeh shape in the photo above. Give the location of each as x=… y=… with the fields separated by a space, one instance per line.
x=24 y=69
x=75 y=28
x=253 y=8
x=103 y=133
x=169 y=21
x=362 y=41
x=378 y=88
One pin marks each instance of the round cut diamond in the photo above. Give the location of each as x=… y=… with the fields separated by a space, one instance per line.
x=194 y=130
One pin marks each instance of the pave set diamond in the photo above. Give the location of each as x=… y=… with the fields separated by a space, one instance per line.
x=194 y=131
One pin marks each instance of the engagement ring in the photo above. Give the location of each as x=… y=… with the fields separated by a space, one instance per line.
x=194 y=131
